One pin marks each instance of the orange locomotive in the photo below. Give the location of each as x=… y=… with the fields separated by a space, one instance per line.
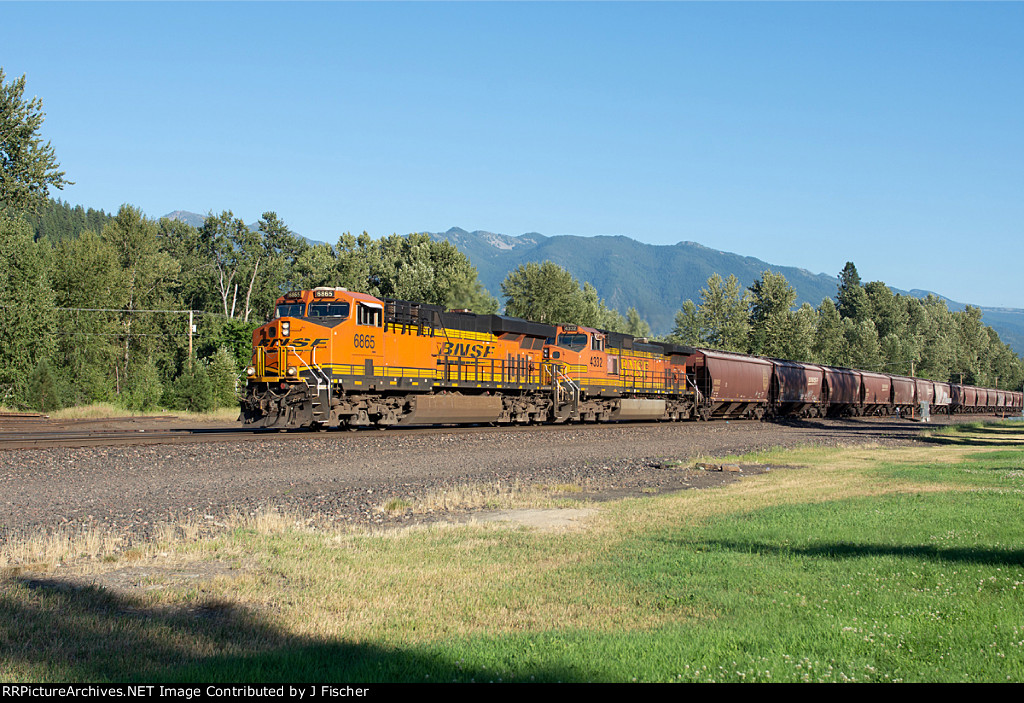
x=334 y=357
x=620 y=377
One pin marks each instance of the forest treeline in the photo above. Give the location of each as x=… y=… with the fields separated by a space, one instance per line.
x=866 y=326
x=96 y=307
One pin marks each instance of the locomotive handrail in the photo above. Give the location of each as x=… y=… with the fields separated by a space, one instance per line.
x=318 y=374
x=696 y=389
x=561 y=376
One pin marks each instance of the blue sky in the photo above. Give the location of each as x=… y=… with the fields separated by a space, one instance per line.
x=804 y=134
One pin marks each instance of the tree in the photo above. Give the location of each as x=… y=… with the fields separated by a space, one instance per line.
x=597 y=314
x=687 y=330
x=147 y=276
x=852 y=299
x=87 y=275
x=223 y=373
x=770 y=316
x=886 y=309
x=543 y=292
x=862 y=341
x=636 y=325
x=28 y=167
x=229 y=243
x=27 y=317
x=317 y=266
x=548 y=293
x=724 y=314
x=829 y=346
x=803 y=325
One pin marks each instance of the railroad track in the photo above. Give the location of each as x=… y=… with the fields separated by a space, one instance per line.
x=46 y=438
x=76 y=433
x=38 y=433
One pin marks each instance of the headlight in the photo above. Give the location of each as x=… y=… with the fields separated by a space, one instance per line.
x=293 y=371
x=286 y=328
x=250 y=371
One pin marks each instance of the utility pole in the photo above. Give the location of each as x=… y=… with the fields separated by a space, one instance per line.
x=191 y=328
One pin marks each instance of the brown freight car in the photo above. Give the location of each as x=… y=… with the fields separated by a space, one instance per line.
x=797 y=388
x=732 y=385
x=843 y=393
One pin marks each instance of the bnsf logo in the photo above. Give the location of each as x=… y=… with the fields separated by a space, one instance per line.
x=298 y=342
x=474 y=351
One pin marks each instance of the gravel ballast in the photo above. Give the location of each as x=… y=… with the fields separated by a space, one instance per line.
x=345 y=477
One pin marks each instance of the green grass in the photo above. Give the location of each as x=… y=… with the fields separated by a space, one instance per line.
x=864 y=565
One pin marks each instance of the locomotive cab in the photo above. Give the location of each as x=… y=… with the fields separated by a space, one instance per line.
x=574 y=345
x=286 y=348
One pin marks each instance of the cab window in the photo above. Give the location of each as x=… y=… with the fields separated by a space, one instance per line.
x=573 y=342
x=329 y=309
x=365 y=315
x=291 y=310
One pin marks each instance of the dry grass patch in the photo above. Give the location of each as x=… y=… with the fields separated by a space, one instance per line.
x=475 y=496
x=44 y=552
x=98 y=411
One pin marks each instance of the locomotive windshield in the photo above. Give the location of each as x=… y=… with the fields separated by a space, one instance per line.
x=291 y=310
x=573 y=342
x=329 y=309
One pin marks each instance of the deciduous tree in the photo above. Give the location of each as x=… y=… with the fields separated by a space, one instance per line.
x=28 y=167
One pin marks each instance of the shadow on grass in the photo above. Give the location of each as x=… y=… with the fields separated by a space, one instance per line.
x=56 y=630
x=843 y=550
x=865 y=428
x=984 y=436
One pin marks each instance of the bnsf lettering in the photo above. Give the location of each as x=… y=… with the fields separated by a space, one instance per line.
x=364 y=341
x=634 y=364
x=297 y=342
x=473 y=351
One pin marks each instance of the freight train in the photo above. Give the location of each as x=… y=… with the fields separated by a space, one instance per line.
x=332 y=357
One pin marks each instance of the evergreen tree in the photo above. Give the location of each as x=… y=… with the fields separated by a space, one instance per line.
x=148 y=277
x=41 y=393
x=852 y=299
x=191 y=391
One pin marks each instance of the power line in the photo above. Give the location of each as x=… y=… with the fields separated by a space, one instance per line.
x=122 y=310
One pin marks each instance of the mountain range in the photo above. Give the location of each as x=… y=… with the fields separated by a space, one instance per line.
x=657 y=279
x=654 y=279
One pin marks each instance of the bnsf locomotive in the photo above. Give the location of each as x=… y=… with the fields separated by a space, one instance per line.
x=334 y=357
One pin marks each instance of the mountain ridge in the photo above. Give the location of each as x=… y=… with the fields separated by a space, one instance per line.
x=674 y=273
